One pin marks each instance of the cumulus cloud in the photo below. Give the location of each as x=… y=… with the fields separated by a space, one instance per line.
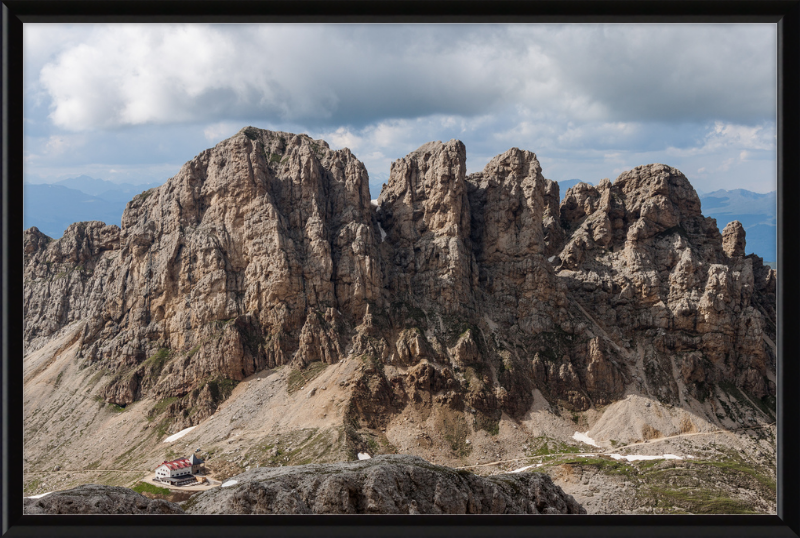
x=690 y=72
x=590 y=100
x=333 y=75
x=221 y=130
x=726 y=136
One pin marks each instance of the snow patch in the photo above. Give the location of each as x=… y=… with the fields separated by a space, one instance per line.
x=364 y=456
x=229 y=483
x=583 y=438
x=176 y=436
x=641 y=457
x=526 y=468
x=39 y=496
x=551 y=258
x=383 y=233
x=374 y=202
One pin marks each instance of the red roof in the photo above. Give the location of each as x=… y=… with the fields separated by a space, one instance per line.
x=180 y=463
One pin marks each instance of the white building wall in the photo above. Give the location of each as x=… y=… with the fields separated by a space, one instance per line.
x=164 y=471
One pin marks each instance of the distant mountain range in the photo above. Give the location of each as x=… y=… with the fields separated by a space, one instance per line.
x=563 y=186
x=53 y=207
x=756 y=211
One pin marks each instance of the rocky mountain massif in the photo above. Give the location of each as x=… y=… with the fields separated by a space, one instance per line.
x=260 y=296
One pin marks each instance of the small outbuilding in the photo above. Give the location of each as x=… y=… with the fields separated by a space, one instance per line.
x=197 y=464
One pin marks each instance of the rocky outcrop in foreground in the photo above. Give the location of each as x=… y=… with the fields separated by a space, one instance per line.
x=96 y=499
x=382 y=485
x=388 y=484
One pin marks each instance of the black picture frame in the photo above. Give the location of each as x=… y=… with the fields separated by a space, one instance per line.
x=785 y=13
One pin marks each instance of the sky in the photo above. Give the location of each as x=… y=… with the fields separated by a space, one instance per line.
x=132 y=103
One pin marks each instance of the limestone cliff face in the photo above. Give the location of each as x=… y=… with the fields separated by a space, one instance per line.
x=426 y=215
x=480 y=288
x=671 y=291
x=258 y=252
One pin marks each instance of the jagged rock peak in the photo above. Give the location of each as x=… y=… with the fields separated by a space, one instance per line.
x=514 y=164
x=644 y=203
x=256 y=133
x=660 y=195
x=643 y=244
x=428 y=183
x=425 y=213
x=250 y=242
x=508 y=204
x=733 y=239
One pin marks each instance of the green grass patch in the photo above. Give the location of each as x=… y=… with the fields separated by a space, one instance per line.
x=611 y=467
x=646 y=465
x=142 y=487
x=736 y=466
x=699 y=501
x=544 y=446
x=32 y=486
x=161 y=429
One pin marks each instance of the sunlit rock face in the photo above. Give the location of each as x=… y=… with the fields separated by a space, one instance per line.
x=477 y=289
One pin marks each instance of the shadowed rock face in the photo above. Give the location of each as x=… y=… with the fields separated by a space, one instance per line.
x=96 y=499
x=383 y=485
x=645 y=264
x=265 y=251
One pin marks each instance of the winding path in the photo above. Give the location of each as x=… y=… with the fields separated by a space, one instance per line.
x=606 y=451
